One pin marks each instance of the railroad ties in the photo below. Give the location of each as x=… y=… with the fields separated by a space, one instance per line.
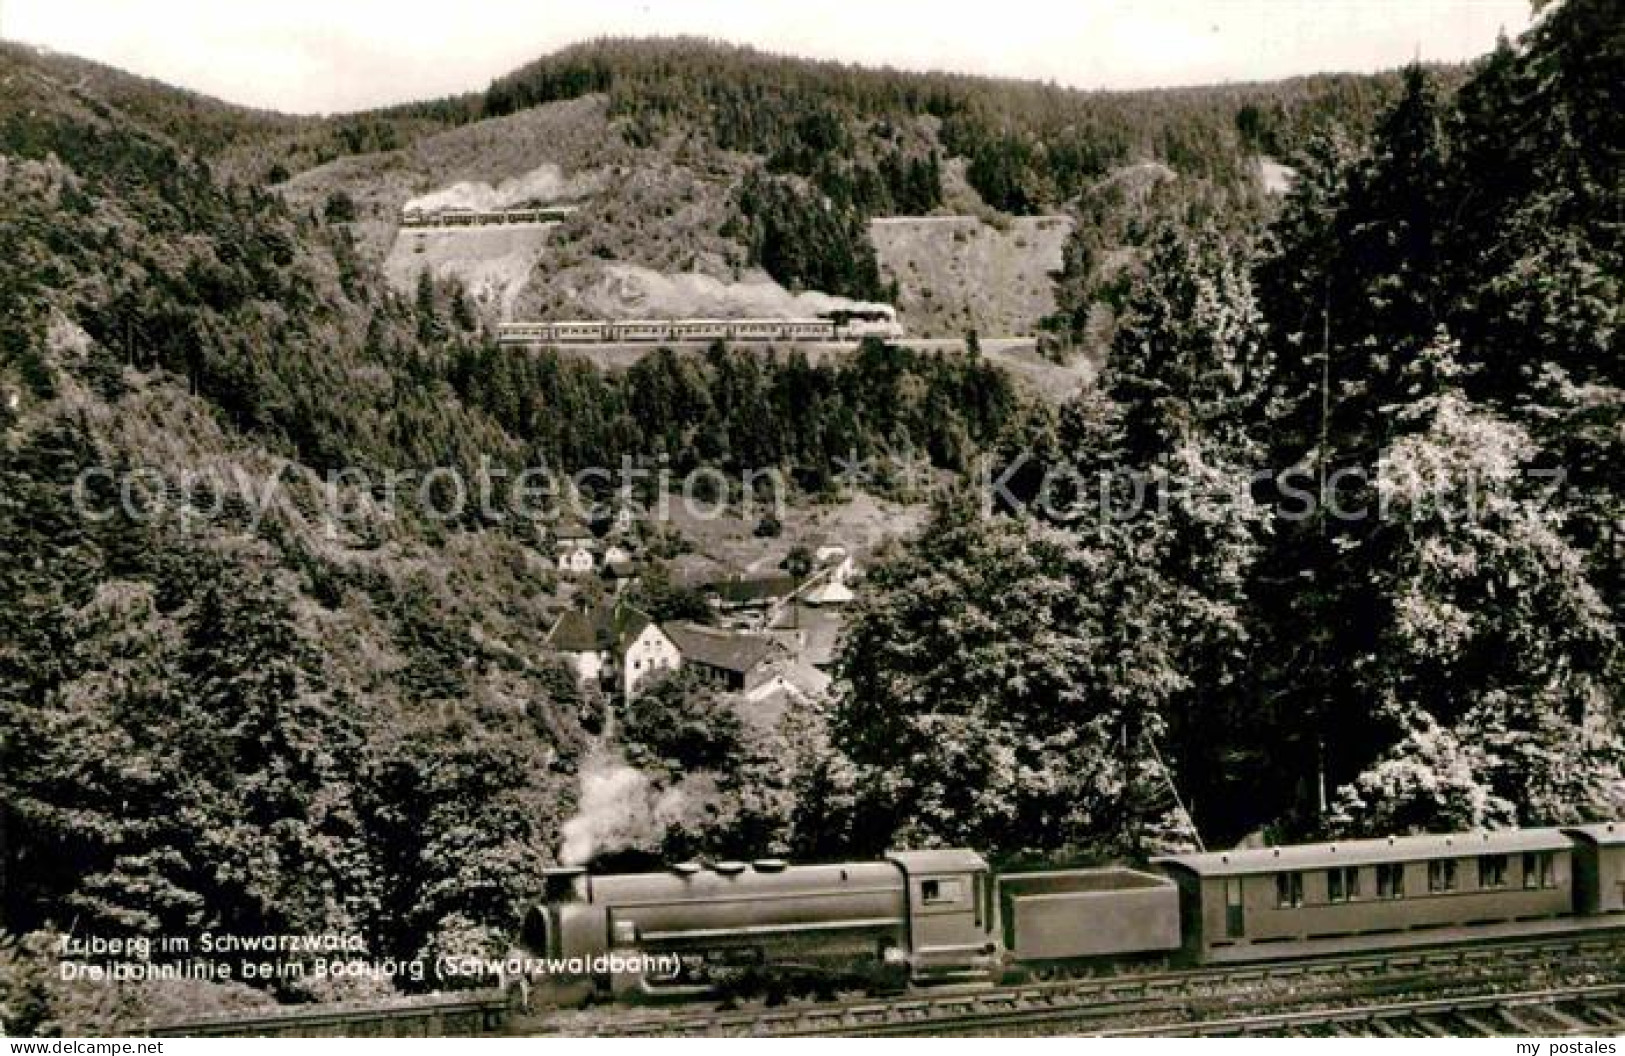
x=1358 y=995
x=1447 y=991
x=432 y=1016
x=1583 y=1011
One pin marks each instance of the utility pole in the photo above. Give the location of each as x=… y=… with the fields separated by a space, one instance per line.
x=1325 y=393
x=1325 y=443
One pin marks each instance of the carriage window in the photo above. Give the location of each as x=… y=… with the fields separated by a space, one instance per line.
x=1288 y=889
x=1342 y=885
x=1442 y=875
x=1492 y=871
x=1390 y=881
x=1537 y=871
x=938 y=891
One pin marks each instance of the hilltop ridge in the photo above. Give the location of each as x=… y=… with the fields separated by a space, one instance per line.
x=710 y=163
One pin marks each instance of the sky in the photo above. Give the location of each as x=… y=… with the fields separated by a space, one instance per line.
x=326 y=56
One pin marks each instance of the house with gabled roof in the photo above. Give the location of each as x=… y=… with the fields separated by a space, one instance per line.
x=576 y=558
x=734 y=661
x=572 y=530
x=793 y=678
x=830 y=591
x=616 y=639
x=750 y=592
x=810 y=632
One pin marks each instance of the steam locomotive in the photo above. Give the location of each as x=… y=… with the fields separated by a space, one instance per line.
x=918 y=918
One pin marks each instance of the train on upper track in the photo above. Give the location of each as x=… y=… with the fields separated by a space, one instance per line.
x=838 y=325
x=458 y=216
x=919 y=918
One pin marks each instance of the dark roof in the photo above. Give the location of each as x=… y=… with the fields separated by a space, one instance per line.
x=723 y=650
x=597 y=630
x=745 y=590
x=1367 y=852
x=819 y=631
x=571 y=529
x=580 y=632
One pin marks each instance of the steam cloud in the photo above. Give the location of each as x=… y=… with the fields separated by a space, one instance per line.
x=545 y=183
x=620 y=809
x=620 y=291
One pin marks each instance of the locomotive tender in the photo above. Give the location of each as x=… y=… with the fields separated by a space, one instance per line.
x=924 y=917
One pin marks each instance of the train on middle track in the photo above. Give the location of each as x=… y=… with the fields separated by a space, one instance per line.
x=839 y=325
x=920 y=918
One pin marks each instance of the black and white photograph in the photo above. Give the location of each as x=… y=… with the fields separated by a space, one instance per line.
x=869 y=518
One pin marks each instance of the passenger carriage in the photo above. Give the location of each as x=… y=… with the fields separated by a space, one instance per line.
x=833 y=326
x=1372 y=894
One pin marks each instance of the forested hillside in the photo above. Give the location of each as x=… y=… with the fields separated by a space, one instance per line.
x=837 y=145
x=725 y=161
x=1360 y=567
x=1030 y=146
x=240 y=690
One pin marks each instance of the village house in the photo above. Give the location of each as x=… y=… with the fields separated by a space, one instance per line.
x=617 y=641
x=647 y=651
x=620 y=572
x=733 y=661
x=809 y=632
x=585 y=640
x=576 y=558
x=791 y=678
x=572 y=531
x=749 y=601
x=827 y=592
x=575 y=549
x=790 y=685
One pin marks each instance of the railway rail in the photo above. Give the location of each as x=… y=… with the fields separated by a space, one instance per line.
x=1352 y=994
x=1181 y=998
x=1585 y=1011
x=477 y=1012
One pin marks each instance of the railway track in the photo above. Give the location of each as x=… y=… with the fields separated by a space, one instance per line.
x=479 y=1012
x=1367 y=994
x=1584 y=1011
x=1168 y=998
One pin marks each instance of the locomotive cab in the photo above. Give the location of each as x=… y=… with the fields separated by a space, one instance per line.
x=950 y=915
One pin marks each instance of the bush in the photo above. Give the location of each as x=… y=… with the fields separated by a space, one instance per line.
x=340 y=208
